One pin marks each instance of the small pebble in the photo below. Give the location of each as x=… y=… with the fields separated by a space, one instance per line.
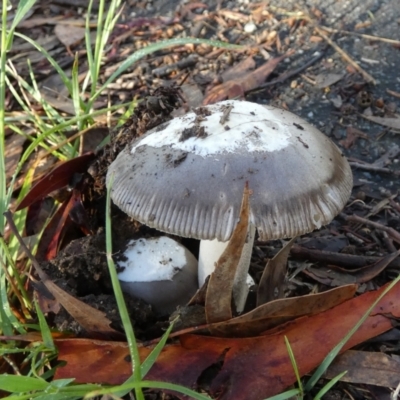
x=250 y=27
x=310 y=114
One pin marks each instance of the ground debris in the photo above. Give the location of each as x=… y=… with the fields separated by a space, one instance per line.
x=151 y=112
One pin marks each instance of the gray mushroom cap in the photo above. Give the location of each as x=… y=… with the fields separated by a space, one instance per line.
x=187 y=176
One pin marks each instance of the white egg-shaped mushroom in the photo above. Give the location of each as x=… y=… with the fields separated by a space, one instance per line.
x=187 y=176
x=160 y=271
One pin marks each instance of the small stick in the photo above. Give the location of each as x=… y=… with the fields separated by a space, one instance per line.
x=374 y=168
x=339 y=259
x=345 y=56
x=362 y=35
x=181 y=64
x=390 y=231
x=393 y=93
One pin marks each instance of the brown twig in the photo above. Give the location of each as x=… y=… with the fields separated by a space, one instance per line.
x=339 y=259
x=393 y=93
x=165 y=70
x=362 y=35
x=390 y=231
x=373 y=168
x=345 y=56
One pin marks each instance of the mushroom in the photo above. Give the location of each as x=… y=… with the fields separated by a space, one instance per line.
x=186 y=177
x=160 y=271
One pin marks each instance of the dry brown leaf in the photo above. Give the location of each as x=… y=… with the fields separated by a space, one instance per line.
x=219 y=290
x=69 y=35
x=14 y=144
x=239 y=70
x=274 y=313
x=366 y=367
x=250 y=368
x=271 y=283
x=93 y=321
x=325 y=80
x=237 y=88
x=352 y=134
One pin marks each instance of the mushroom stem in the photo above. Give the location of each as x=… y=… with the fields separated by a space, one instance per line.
x=210 y=252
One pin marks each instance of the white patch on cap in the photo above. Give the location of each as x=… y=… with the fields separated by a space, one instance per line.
x=250 y=127
x=150 y=260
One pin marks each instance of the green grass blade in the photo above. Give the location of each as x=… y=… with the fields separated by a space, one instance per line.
x=75 y=95
x=88 y=45
x=152 y=357
x=105 y=25
x=61 y=383
x=23 y=7
x=130 y=335
x=7 y=318
x=37 y=142
x=329 y=385
x=73 y=389
x=50 y=59
x=98 y=47
x=19 y=397
x=44 y=329
x=52 y=114
x=18 y=383
x=3 y=59
x=286 y=395
x=59 y=396
x=294 y=365
x=150 y=385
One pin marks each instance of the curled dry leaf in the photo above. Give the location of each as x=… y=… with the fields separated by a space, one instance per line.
x=48 y=249
x=277 y=312
x=272 y=280
x=93 y=321
x=59 y=177
x=219 y=290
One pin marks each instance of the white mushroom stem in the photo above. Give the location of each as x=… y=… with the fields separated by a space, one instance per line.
x=210 y=252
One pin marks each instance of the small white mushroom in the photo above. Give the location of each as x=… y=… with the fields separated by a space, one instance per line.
x=160 y=271
x=186 y=177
